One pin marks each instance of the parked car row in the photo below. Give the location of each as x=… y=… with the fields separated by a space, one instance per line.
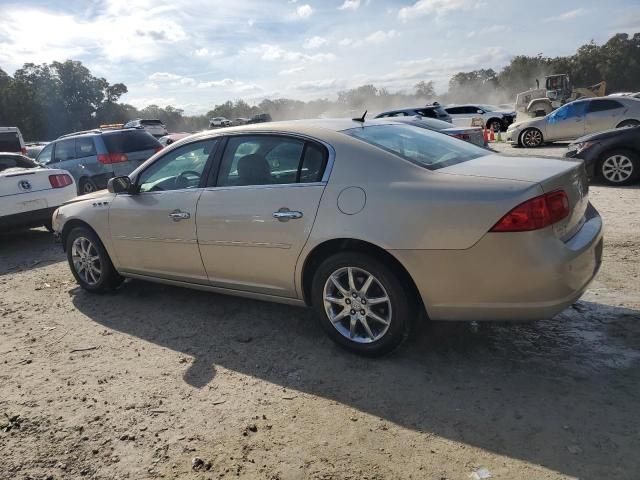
x=493 y=117
x=221 y=122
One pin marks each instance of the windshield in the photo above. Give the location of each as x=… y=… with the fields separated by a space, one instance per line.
x=424 y=147
x=9 y=142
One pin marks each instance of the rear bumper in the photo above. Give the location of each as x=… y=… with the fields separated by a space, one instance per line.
x=507 y=276
x=30 y=219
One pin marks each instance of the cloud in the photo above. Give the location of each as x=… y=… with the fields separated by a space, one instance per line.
x=164 y=77
x=489 y=30
x=570 y=15
x=230 y=84
x=304 y=11
x=320 y=85
x=315 y=42
x=436 y=7
x=205 y=52
x=376 y=38
x=271 y=53
x=350 y=5
x=291 y=71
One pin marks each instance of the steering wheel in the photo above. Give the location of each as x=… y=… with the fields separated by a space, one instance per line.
x=183 y=180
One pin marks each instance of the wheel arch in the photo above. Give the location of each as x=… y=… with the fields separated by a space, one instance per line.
x=70 y=225
x=327 y=248
x=630 y=120
x=603 y=156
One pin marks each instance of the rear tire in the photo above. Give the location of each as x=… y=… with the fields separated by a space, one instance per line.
x=619 y=167
x=531 y=138
x=370 y=320
x=86 y=186
x=628 y=123
x=90 y=263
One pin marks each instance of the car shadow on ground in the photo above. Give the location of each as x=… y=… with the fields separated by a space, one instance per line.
x=560 y=393
x=13 y=246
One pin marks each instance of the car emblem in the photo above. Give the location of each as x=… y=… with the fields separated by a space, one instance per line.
x=24 y=185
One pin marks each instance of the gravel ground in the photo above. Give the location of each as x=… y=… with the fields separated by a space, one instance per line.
x=162 y=382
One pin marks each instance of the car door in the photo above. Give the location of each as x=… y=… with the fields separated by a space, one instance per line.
x=154 y=231
x=603 y=114
x=64 y=157
x=567 y=122
x=256 y=215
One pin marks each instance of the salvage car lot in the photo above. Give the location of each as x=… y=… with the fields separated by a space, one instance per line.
x=141 y=383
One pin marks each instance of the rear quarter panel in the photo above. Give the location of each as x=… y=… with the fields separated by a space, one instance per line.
x=407 y=206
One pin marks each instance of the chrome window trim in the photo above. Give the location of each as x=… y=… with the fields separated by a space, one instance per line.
x=262 y=187
x=220 y=134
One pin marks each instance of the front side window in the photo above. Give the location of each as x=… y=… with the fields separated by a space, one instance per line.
x=270 y=160
x=65 y=150
x=418 y=145
x=455 y=110
x=179 y=169
x=44 y=157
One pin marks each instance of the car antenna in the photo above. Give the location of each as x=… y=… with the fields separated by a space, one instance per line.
x=360 y=119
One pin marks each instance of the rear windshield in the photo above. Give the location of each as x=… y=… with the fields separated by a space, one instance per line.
x=13 y=161
x=418 y=145
x=150 y=122
x=129 y=141
x=9 y=142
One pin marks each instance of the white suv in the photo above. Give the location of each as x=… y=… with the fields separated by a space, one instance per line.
x=493 y=116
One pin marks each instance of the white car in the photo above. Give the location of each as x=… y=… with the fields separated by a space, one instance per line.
x=493 y=116
x=29 y=193
x=218 y=122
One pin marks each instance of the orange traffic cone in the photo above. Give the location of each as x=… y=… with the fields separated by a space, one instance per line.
x=492 y=135
x=485 y=134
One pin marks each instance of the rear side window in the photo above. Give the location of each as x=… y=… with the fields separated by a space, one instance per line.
x=603 y=105
x=9 y=142
x=130 y=141
x=270 y=160
x=65 y=150
x=418 y=145
x=85 y=147
x=427 y=112
x=455 y=110
x=151 y=122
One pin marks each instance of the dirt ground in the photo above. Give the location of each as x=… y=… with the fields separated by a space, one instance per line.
x=162 y=382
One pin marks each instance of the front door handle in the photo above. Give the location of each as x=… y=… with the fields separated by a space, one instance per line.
x=178 y=215
x=284 y=214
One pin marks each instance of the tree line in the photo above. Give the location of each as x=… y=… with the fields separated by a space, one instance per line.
x=48 y=100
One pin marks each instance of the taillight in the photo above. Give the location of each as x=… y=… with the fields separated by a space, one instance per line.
x=157 y=149
x=60 y=180
x=462 y=136
x=534 y=214
x=23 y=150
x=108 y=159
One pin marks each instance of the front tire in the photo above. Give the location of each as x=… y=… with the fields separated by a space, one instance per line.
x=531 y=138
x=619 y=167
x=363 y=305
x=90 y=263
x=497 y=125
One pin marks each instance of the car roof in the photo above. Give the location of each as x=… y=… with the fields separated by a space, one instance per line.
x=98 y=131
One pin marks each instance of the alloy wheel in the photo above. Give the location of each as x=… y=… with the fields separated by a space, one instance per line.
x=532 y=138
x=88 y=187
x=617 y=168
x=86 y=260
x=357 y=305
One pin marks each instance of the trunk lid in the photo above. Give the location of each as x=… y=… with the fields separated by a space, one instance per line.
x=551 y=174
x=14 y=181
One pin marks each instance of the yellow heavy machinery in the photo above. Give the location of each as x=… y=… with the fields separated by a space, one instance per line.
x=558 y=90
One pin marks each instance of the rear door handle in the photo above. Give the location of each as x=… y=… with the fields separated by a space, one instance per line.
x=284 y=214
x=178 y=215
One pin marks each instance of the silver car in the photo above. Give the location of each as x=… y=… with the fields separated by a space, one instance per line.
x=576 y=119
x=367 y=222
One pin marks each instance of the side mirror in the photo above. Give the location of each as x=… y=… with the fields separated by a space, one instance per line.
x=119 y=185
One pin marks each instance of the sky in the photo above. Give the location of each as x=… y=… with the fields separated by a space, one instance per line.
x=195 y=54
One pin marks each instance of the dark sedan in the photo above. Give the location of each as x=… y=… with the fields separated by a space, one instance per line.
x=612 y=156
